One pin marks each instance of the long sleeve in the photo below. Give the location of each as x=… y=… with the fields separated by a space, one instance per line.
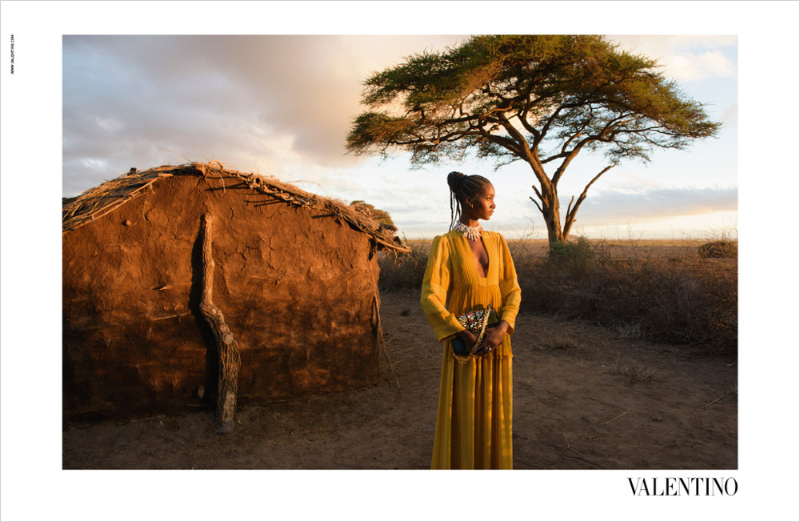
x=435 y=285
x=509 y=287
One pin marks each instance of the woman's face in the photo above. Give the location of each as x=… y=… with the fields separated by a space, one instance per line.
x=482 y=204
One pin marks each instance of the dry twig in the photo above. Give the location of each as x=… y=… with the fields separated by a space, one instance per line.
x=388 y=360
x=615 y=418
x=715 y=400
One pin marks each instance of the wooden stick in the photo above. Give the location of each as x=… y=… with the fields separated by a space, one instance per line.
x=615 y=418
x=391 y=366
x=167 y=317
x=228 y=349
x=671 y=444
x=395 y=247
x=569 y=447
x=88 y=218
x=715 y=400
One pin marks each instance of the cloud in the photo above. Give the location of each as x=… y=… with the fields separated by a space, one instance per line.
x=131 y=99
x=655 y=204
x=685 y=58
x=698 y=66
x=731 y=116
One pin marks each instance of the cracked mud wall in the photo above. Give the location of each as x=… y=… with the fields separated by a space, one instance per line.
x=298 y=290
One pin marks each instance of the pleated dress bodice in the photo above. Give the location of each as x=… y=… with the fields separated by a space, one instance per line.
x=453 y=285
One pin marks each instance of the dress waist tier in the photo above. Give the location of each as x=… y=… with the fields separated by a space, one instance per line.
x=474 y=297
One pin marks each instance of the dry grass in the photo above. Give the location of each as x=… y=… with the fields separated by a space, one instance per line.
x=636 y=373
x=404 y=272
x=657 y=290
x=560 y=340
x=632 y=331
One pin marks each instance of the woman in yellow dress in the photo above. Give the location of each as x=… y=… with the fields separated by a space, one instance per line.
x=470 y=269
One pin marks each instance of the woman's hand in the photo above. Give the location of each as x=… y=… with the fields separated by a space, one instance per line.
x=493 y=338
x=468 y=337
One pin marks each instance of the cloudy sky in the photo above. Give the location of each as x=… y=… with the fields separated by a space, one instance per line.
x=282 y=105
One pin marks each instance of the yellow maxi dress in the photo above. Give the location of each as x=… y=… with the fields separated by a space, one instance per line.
x=473 y=423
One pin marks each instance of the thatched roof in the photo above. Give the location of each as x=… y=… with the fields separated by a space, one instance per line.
x=107 y=197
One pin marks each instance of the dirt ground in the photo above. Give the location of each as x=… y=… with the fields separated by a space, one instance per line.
x=585 y=397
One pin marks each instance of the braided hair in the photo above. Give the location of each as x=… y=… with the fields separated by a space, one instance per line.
x=461 y=188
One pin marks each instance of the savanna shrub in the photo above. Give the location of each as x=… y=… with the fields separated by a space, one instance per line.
x=687 y=303
x=719 y=249
x=403 y=271
x=577 y=257
x=686 y=300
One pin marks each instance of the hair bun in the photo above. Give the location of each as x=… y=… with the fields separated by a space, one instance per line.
x=454 y=179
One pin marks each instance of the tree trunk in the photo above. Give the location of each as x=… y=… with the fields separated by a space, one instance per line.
x=228 y=349
x=554 y=233
x=550 y=211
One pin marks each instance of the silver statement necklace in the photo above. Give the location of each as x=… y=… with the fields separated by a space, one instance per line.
x=471 y=233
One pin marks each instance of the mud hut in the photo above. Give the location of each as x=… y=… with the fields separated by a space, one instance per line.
x=158 y=304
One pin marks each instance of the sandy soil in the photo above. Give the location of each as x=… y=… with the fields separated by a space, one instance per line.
x=584 y=398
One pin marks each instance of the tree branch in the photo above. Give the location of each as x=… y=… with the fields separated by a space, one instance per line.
x=594 y=137
x=537 y=204
x=570 y=204
x=521 y=116
x=528 y=155
x=538 y=194
x=546 y=127
x=569 y=219
x=503 y=142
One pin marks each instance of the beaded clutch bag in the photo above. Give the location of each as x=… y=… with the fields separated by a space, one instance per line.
x=475 y=321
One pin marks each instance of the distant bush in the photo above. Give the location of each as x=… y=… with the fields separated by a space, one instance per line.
x=403 y=271
x=581 y=249
x=692 y=302
x=687 y=299
x=719 y=249
x=576 y=257
x=381 y=216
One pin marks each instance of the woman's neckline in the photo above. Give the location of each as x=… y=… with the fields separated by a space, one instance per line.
x=472 y=255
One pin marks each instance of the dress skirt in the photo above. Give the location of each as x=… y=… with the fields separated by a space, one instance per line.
x=473 y=421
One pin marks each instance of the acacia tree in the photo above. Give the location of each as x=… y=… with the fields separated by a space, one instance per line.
x=381 y=216
x=534 y=98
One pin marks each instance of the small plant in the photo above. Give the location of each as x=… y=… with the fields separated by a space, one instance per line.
x=561 y=341
x=636 y=373
x=403 y=272
x=631 y=331
x=602 y=251
x=577 y=257
x=719 y=249
x=381 y=216
x=581 y=248
x=726 y=232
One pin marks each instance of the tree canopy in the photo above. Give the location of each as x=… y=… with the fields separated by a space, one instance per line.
x=381 y=216
x=541 y=99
